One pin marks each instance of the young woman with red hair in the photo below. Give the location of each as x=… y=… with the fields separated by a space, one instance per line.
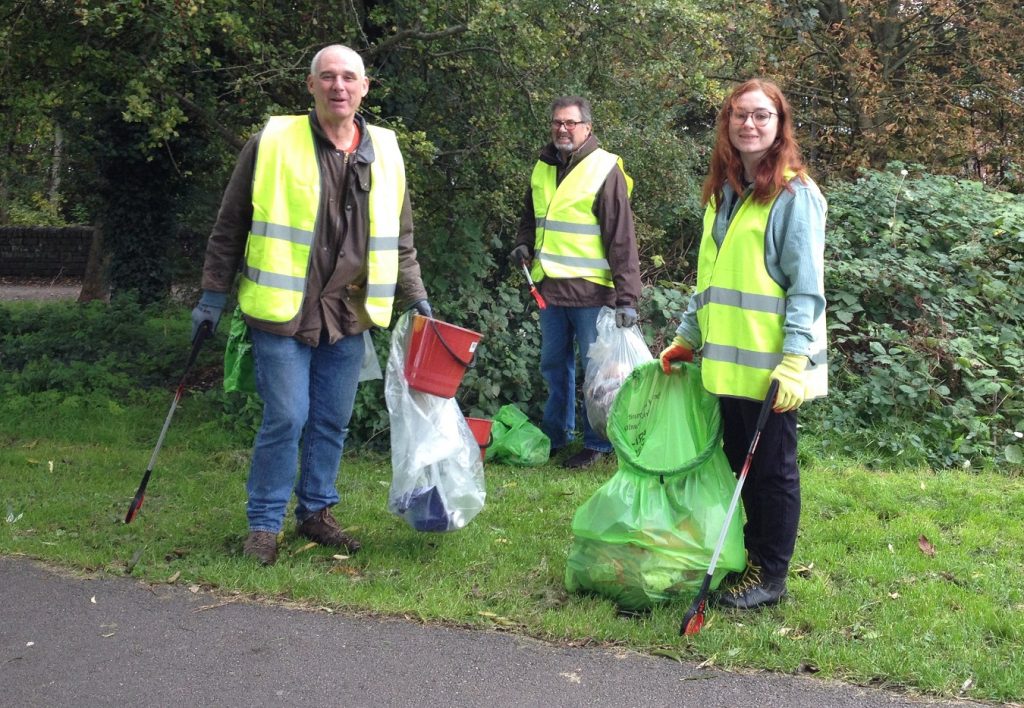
x=757 y=315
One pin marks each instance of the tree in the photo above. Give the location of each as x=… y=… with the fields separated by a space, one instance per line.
x=936 y=82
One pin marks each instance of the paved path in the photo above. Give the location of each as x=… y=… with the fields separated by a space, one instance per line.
x=69 y=640
x=38 y=289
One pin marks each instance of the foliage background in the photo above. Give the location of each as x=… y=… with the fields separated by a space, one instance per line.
x=128 y=116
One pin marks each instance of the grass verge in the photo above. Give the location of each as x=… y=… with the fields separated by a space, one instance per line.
x=907 y=580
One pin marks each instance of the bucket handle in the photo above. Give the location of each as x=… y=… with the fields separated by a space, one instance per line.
x=472 y=357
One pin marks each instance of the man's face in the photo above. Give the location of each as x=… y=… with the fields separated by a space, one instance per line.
x=568 y=140
x=337 y=87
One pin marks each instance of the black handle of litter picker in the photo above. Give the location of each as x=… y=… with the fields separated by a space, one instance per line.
x=472 y=357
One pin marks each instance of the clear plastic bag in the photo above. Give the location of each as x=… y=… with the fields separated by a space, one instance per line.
x=612 y=357
x=437 y=481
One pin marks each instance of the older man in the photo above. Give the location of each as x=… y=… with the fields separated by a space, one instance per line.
x=577 y=232
x=317 y=214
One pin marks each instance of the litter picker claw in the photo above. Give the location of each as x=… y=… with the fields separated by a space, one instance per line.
x=533 y=288
x=693 y=620
x=204 y=331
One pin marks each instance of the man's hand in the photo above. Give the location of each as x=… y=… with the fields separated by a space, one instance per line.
x=790 y=376
x=423 y=307
x=210 y=306
x=625 y=316
x=678 y=350
x=520 y=255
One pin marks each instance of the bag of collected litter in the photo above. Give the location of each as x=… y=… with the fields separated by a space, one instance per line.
x=239 y=372
x=437 y=481
x=517 y=441
x=611 y=358
x=647 y=534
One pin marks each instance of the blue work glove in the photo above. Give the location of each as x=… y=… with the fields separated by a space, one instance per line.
x=625 y=317
x=790 y=375
x=208 y=310
x=423 y=308
x=520 y=254
x=678 y=350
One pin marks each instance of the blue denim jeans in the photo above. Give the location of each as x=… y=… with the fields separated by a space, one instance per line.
x=559 y=328
x=308 y=394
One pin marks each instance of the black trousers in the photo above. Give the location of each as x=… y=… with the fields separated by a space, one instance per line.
x=771 y=492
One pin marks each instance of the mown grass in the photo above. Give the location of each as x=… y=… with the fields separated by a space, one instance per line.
x=910 y=580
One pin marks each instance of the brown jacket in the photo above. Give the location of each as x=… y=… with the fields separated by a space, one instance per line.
x=615 y=216
x=335 y=295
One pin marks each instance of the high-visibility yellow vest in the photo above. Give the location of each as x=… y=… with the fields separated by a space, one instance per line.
x=741 y=310
x=286 y=204
x=568 y=236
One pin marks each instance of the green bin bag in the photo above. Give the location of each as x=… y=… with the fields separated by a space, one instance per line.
x=239 y=371
x=647 y=535
x=517 y=441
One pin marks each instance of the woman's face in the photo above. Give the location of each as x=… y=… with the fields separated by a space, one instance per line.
x=746 y=135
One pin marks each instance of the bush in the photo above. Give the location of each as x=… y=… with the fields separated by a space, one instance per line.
x=924 y=279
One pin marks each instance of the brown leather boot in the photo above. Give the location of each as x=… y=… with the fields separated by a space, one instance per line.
x=322 y=528
x=261 y=545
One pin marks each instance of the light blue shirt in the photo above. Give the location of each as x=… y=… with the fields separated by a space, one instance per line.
x=795 y=259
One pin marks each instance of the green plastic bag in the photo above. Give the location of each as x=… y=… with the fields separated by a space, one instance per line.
x=239 y=372
x=647 y=535
x=517 y=441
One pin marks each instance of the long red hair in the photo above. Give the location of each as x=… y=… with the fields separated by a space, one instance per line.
x=783 y=155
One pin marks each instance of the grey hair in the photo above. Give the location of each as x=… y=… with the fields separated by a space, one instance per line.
x=353 y=54
x=569 y=101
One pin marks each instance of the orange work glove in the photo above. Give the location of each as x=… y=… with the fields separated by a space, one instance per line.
x=678 y=350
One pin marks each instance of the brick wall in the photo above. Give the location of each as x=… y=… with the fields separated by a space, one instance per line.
x=42 y=251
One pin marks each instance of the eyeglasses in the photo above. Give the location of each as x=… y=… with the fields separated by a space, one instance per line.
x=760 y=118
x=569 y=125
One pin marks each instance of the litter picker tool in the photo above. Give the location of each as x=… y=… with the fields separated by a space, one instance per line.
x=693 y=620
x=533 y=288
x=204 y=331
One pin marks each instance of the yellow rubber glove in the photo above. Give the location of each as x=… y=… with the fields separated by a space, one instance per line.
x=790 y=375
x=678 y=350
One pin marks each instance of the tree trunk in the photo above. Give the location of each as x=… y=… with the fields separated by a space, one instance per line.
x=95 y=285
x=56 y=167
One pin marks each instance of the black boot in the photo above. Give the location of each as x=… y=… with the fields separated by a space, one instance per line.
x=753 y=590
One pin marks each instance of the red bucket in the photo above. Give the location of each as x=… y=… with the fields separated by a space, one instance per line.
x=439 y=354
x=481 y=429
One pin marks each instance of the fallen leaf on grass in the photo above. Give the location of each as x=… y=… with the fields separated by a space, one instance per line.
x=805 y=571
x=339 y=557
x=926 y=546
x=966 y=685
x=806 y=668
x=668 y=654
x=311 y=544
x=177 y=574
x=710 y=661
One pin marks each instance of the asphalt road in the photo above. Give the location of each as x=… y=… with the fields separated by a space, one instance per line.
x=72 y=640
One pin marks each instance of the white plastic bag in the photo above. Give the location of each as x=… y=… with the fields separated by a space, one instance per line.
x=437 y=481
x=617 y=351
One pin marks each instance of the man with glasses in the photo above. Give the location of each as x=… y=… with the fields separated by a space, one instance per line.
x=576 y=235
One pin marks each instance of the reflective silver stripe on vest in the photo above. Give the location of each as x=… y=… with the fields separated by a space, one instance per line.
x=384 y=243
x=598 y=263
x=743 y=357
x=746 y=301
x=568 y=227
x=381 y=290
x=274 y=280
x=284 y=233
